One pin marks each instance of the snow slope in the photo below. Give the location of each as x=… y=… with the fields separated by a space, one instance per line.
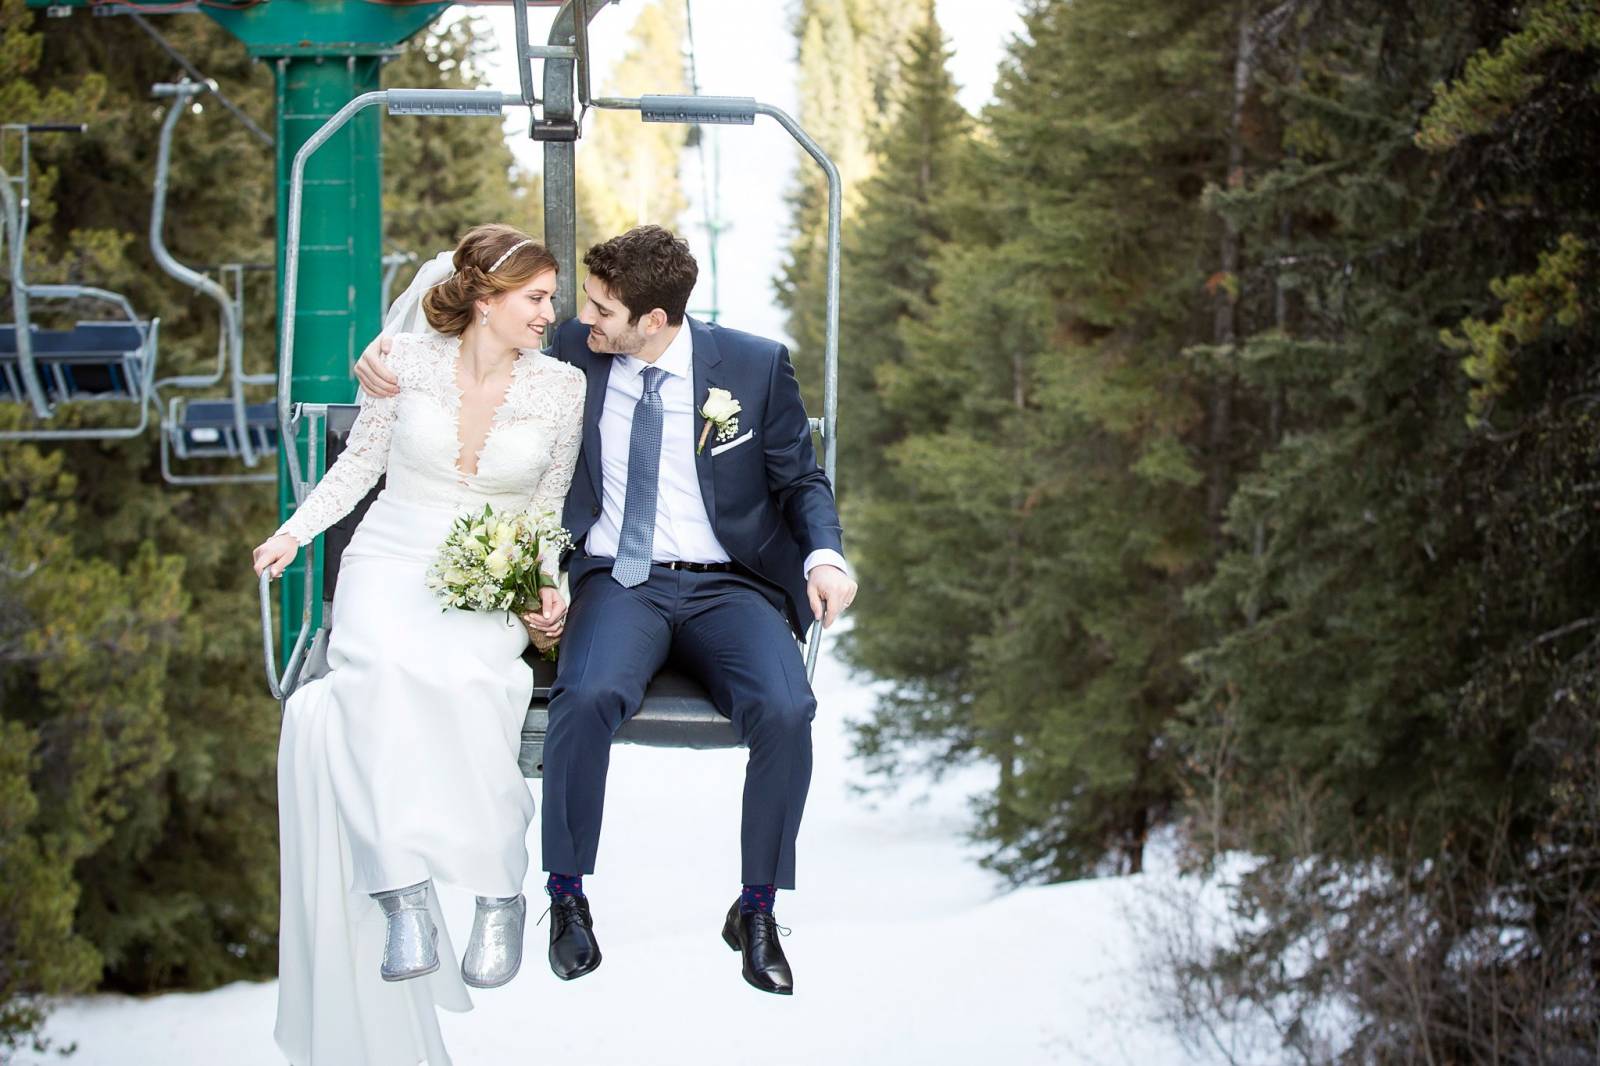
x=904 y=951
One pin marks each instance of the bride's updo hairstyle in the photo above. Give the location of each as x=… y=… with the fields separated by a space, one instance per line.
x=449 y=304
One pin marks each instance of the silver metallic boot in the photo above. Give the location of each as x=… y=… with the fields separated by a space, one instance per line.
x=410 y=946
x=494 y=953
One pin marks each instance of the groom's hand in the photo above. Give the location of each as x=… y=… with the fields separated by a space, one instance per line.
x=830 y=591
x=373 y=373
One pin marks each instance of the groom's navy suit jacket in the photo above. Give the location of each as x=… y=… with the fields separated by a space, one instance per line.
x=769 y=502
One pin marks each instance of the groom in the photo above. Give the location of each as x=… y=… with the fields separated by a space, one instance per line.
x=703 y=532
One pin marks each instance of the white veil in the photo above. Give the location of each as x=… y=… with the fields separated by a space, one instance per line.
x=405 y=314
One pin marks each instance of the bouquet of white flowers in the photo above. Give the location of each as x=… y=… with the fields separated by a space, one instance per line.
x=491 y=562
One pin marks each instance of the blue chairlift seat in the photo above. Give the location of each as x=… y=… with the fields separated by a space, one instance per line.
x=206 y=430
x=90 y=361
x=676 y=712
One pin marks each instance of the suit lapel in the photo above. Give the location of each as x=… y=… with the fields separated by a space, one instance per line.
x=706 y=360
x=599 y=372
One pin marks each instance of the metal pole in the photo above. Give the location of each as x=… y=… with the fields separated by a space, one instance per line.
x=336 y=247
x=232 y=339
x=194 y=72
x=291 y=278
x=16 y=220
x=560 y=182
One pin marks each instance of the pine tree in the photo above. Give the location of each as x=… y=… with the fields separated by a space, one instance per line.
x=889 y=256
x=1402 y=635
x=849 y=52
x=1052 y=442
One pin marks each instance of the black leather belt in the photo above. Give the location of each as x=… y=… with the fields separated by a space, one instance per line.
x=696 y=568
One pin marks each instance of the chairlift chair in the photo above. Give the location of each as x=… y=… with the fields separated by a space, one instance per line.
x=94 y=360
x=213 y=428
x=676 y=711
x=208 y=429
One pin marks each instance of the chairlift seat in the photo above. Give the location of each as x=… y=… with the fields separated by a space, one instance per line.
x=676 y=711
x=90 y=361
x=206 y=429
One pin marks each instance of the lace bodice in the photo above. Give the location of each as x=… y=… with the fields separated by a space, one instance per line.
x=526 y=462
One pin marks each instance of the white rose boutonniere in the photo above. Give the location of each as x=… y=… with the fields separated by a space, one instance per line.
x=720 y=410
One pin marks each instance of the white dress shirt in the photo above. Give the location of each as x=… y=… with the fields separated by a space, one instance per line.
x=683 y=527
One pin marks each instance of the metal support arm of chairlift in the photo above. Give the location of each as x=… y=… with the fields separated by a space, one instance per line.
x=14 y=211
x=742 y=111
x=392 y=262
x=294 y=416
x=230 y=342
x=282 y=684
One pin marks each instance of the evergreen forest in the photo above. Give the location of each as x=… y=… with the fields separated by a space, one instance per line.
x=1221 y=467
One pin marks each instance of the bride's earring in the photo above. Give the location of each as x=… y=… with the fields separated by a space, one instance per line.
x=483 y=319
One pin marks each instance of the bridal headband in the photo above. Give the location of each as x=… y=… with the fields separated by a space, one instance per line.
x=507 y=254
x=406 y=314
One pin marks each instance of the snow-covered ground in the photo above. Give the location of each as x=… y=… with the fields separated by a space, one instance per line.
x=904 y=951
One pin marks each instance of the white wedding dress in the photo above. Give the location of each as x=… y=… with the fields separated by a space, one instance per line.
x=400 y=765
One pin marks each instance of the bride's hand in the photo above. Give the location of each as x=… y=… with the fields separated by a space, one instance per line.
x=546 y=625
x=373 y=373
x=275 y=554
x=555 y=610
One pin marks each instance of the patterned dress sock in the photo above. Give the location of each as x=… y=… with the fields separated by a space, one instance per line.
x=756 y=898
x=564 y=885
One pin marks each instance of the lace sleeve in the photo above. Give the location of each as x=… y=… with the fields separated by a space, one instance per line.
x=551 y=493
x=363 y=461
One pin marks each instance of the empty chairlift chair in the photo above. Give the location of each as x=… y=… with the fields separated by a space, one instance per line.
x=219 y=427
x=100 y=360
x=90 y=361
x=207 y=429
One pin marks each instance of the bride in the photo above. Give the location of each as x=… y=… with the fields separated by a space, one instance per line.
x=399 y=767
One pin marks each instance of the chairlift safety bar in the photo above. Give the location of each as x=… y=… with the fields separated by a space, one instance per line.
x=742 y=110
x=283 y=684
x=460 y=102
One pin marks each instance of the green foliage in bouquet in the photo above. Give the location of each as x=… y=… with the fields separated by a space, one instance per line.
x=493 y=562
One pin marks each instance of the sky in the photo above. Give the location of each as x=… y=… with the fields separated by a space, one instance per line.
x=744 y=48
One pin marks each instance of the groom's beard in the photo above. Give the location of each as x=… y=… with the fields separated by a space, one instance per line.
x=630 y=342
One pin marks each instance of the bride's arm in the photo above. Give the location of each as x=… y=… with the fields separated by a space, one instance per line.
x=551 y=492
x=351 y=477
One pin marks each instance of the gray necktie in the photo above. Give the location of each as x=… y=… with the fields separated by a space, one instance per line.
x=639 y=508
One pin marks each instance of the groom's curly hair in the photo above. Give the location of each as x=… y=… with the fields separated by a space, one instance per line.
x=646 y=268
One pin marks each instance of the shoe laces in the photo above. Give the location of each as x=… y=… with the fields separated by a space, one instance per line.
x=765 y=920
x=573 y=912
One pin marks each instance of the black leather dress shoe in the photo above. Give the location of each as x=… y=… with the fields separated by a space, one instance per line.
x=755 y=937
x=573 y=949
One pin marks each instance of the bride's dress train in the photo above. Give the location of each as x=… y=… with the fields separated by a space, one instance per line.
x=400 y=765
